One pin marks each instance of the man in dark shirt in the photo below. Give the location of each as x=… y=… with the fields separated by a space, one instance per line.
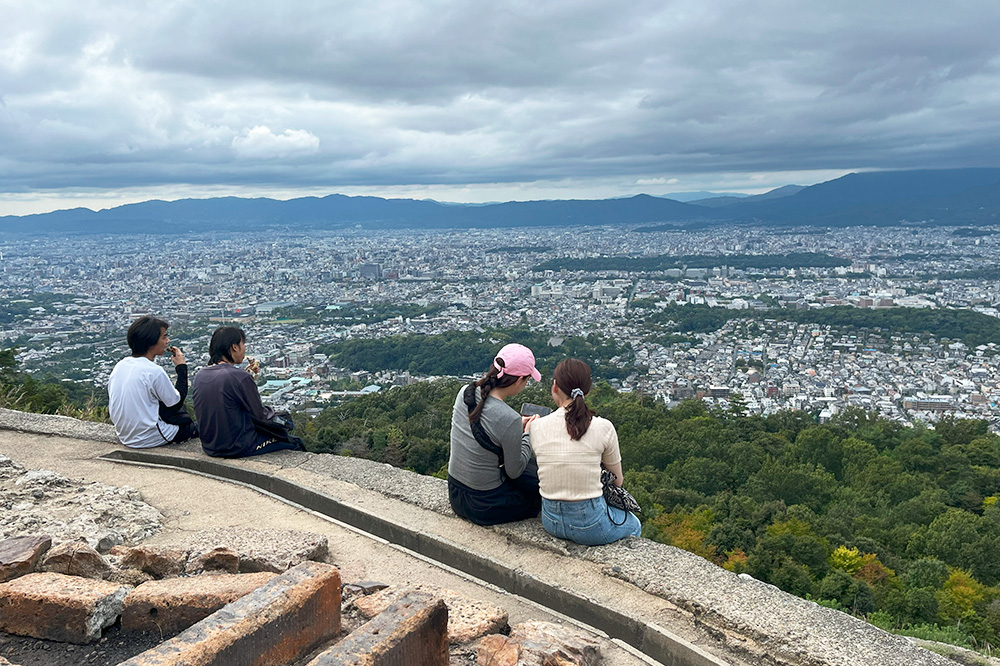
x=233 y=421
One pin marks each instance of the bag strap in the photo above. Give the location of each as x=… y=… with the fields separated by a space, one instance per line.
x=482 y=437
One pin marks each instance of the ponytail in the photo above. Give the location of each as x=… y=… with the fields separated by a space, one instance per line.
x=493 y=379
x=572 y=377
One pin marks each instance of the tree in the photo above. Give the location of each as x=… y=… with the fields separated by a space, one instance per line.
x=961 y=539
x=820 y=446
x=793 y=483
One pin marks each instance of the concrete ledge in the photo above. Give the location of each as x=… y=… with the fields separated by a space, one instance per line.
x=275 y=624
x=661 y=646
x=53 y=424
x=413 y=631
x=752 y=619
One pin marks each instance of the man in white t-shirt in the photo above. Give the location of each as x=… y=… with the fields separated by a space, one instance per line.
x=146 y=409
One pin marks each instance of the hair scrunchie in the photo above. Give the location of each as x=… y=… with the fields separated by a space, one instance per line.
x=576 y=393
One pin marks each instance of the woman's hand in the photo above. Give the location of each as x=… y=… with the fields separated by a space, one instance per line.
x=526 y=422
x=616 y=469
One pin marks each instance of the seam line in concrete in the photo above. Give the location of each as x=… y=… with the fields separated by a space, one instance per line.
x=650 y=640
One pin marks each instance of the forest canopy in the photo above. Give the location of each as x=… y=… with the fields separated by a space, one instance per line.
x=468 y=353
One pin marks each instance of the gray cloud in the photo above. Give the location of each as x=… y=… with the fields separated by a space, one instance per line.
x=112 y=94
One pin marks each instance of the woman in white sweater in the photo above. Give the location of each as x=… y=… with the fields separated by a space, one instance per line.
x=570 y=444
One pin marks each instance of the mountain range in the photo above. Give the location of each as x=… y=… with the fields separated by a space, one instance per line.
x=929 y=197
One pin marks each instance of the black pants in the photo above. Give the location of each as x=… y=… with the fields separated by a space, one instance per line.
x=178 y=416
x=514 y=499
x=267 y=446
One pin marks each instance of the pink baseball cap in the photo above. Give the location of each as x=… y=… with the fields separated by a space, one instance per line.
x=518 y=361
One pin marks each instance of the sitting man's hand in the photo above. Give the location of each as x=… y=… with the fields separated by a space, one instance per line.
x=176 y=355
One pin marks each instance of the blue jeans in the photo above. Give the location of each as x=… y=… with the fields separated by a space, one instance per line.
x=586 y=522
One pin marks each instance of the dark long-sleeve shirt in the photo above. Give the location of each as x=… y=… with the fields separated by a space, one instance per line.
x=225 y=399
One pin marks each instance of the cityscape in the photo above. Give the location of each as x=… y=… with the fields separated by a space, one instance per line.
x=70 y=302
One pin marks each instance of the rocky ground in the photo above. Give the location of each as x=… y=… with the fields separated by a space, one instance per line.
x=44 y=502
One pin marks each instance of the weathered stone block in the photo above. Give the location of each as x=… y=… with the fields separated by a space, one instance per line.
x=59 y=607
x=157 y=561
x=75 y=558
x=277 y=623
x=19 y=555
x=170 y=606
x=539 y=644
x=217 y=559
x=468 y=619
x=262 y=550
x=413 y=630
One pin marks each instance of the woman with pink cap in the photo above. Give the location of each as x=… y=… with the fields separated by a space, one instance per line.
x=491 y=476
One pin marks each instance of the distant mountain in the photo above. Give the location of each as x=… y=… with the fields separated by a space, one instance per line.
x=723 y=201
x=339 y=211
x=944 y=197
x=941 y=196
x=691 y=197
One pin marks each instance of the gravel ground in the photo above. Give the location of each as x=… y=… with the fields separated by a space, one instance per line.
x=113 y=648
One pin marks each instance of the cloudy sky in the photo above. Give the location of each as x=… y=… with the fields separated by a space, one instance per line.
x=107 y=101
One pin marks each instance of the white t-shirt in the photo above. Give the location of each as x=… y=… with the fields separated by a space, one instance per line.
x=135 y=389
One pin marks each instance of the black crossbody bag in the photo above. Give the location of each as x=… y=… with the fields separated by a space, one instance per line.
x=469 y=396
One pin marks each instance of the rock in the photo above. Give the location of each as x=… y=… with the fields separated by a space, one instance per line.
x=130 y=577
x=157 y=561
x=57 y=607
x=539 y=644
x=170 y=606
x=261 y=550
x=414 y=630
x=278 y=623
x=361 y=587
x=218 y=559
x=19 y=555
x=468 y=619
x=108 y=541
x=74 y=558
x=497 y=650
x=41 y=501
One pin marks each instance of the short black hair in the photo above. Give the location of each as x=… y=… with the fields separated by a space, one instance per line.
x=144 y=333
x=222 y=341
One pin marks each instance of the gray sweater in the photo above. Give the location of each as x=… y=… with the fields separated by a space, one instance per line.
x=473 y=465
